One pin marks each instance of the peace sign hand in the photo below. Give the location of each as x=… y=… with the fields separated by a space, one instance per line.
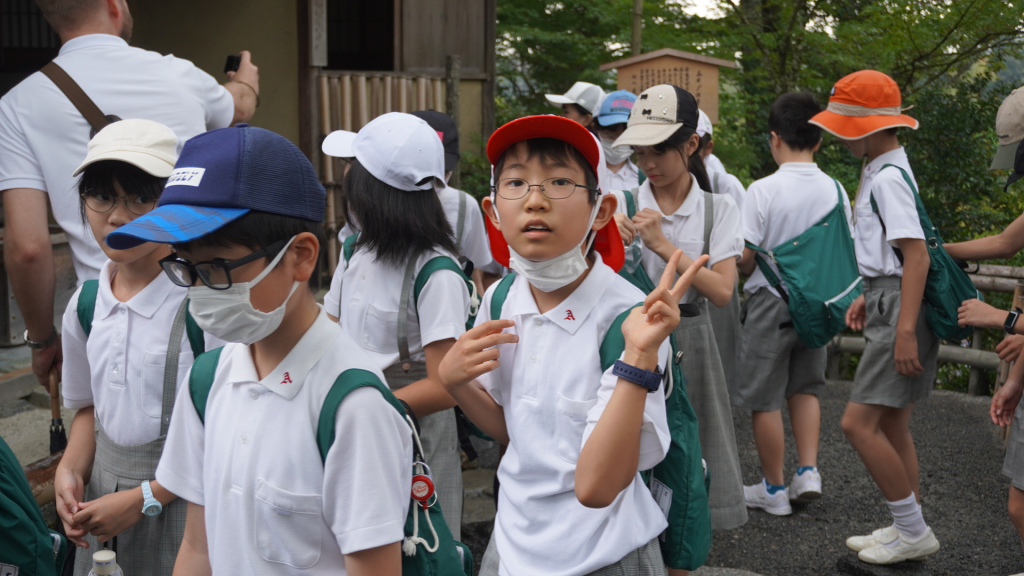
x=647 y=326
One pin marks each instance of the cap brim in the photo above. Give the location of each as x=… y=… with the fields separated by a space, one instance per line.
x=339 y=144
x=545 y=126
x=559 y=99
x=646 y=134
x=856 y=127
x=172 y=224
x=1004 y=157
x=607 y=243
x=609 y=119
x=146 y=162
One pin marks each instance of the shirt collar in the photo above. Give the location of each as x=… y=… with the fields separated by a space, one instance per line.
x=89 y=41
x=685 y=209
x=286 y=379
x=145 y=303
x=572 y=312
x=897 y=156
x=798 y=167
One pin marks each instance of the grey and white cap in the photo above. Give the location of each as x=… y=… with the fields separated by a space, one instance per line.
x=1010 y=129
x=657 y=114
x=585 y=94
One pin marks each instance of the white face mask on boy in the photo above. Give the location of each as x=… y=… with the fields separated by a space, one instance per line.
x=229 y=314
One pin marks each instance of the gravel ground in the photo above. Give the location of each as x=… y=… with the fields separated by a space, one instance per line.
x=963 y=491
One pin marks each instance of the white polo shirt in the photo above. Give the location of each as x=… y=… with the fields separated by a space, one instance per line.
x=684 y=228
x=897 y=207
x=553 y=391
x=783 y=206
x=272 y=506
x=726 y=183
x=372 y=294
x=627 y=178
x=474 y=245
x=119 y=368
x=43 y=137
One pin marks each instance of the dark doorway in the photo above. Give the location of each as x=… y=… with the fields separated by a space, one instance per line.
x=26 y=42
x=361 y=35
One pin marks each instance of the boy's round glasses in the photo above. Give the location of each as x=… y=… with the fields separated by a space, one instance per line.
x=553 y=188
x=103 y=203
x=214 y=273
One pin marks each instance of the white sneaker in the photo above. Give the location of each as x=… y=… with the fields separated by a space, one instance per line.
x=900 y=550
x=805 y=487
x=757 y=496
x=858 y=543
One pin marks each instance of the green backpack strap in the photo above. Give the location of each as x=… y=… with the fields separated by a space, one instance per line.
x=200 y=380
x=614 y=342
x=348 y=248
x=769 y=274
x=346 y=382
x=87 y=304
x=433 y=265
x=630 y=196
x=499 y=295
x=196 y=338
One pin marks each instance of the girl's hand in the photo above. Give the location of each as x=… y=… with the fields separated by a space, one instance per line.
x=976 y=313
x=855 y=314
x=1004 y=403
x=647 y=326
x=475 y=353
x=648 y=224
x=108 y=516
x=1009 y=349
x=68 y=488
x=626 y=228
x=907 y=363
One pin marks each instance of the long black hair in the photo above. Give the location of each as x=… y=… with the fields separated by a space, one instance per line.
x=695 y=163
x=395 y=224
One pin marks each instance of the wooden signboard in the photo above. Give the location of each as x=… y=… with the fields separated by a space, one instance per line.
x=694 y=73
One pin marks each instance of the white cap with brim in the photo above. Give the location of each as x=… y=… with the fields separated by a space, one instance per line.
x=585 y=94
x=145 y=144
x=402 y=151
x=703 y=124
x=1010 y=129
x=339 y=144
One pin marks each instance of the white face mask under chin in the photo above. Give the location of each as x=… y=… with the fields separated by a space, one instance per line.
x=550 y=275
x=615 y=154
x=229 y=314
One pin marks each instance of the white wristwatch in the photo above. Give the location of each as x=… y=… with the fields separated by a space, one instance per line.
x=150 y=505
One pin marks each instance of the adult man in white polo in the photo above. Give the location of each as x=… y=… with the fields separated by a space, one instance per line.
x=43 y=137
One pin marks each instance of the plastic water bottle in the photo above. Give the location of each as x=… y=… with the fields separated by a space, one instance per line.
x=104 y=563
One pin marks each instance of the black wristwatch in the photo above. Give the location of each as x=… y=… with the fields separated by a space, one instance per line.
x=41 y=345
x=644 y=378
x=1011 y=319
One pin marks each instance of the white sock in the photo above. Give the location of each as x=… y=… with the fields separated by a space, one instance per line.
x=907 y=518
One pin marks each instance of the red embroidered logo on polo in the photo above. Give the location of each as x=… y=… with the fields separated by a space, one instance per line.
x=287 y=379
x=569 y=316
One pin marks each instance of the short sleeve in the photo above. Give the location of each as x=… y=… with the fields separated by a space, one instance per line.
x=654 y=433
x=332 y=300
x=181 y=464
x=474 y=238
x=733 y=187
x=76 y=374
x=18 y=165
x=897 y=206
x=726 y=235
x=753 y=215
x=218 y=103
x=443 y=307
x=367 y=473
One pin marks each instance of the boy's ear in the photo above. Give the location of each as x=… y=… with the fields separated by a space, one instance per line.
x=816 y=146
x=606 y=211
x=303 y=253
x=490 y=211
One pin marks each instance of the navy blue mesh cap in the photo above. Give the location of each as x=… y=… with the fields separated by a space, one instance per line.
x=220 y=176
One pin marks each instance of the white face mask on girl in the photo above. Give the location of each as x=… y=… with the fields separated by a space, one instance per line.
x=550 y=275
x=615 y=154
x=229 y=315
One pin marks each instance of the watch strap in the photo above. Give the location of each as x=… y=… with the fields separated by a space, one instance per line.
x=43 y=344
x=644 y=378
x=148 y=500
x=1011 y=320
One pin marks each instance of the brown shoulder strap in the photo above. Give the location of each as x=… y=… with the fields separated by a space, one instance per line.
x=77 y=96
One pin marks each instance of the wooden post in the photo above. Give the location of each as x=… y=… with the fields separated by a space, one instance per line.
x=437 y=101
x=452 y=76
x=346 y=102
x=638 y=22
x=327 y=172
x=389 y=101
x=378 y=106
x=977 y=375
x=361 y=112
x=421 y=93
x=403 y=94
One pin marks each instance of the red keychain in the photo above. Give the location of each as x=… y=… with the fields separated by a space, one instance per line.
x=422 y=487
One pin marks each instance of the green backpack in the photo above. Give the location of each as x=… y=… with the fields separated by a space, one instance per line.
x=821 y=274
x=27 y=547
x=678 y=483
x=947 y=285
x=421 y=557
x=87 y=309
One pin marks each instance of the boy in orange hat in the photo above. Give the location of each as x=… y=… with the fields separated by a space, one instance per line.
x=899 y=362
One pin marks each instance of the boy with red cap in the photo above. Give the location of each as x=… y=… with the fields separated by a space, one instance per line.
x=899 y=363
x=531 y=374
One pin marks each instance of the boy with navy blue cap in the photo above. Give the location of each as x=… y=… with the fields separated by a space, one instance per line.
x=243 y=210
x=621 y=173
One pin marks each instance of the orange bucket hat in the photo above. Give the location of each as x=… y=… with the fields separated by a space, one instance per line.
x=863 y=103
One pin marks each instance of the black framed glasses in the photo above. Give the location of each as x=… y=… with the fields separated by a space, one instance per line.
x=216 y=273
x=103 y=202
x=553 y=188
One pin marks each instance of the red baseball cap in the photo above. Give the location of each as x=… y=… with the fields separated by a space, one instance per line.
x=607 y=242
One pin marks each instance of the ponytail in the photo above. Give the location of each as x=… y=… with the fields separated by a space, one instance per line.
x=695 y=163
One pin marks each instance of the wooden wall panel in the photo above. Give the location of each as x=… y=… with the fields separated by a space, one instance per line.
x=432 y=29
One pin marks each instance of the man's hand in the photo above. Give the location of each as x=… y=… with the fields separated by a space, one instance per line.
x=647 y=326
x=108 y=516
x=474 y=354
x=907 y=363
x=68 y=488
x=856 y=314
x=648 y=224
x=626 y=228
x=1004 y=402
x=1009 y=349
x=976 y=313
x=45 y=359
x=244 y=85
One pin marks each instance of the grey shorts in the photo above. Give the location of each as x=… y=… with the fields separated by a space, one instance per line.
x=773 y=363
x=644 y=561
x=1013 y=462
x=877 y=381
